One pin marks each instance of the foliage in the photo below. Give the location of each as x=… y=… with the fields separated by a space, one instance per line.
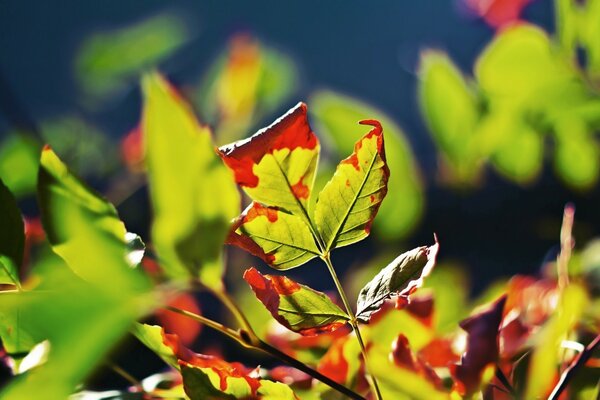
x=74 y=282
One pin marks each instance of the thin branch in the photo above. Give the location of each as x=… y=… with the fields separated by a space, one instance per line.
x=576 y=364
x=250 y=341
x=125 y=375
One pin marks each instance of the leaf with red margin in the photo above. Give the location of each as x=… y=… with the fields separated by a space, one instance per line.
x=276 y=166
x=349 y=202
x=297 y=307
x=280 y=239
x=482 y=348
x=401 y=277
x=206 y=376
x=403 y=357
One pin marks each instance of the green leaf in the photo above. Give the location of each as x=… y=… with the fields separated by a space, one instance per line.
x=336 y=116
x=450 y=109
x=545 y=358
x=84 y=229
x=349 y=202
x=576 y=159
x=280 y=239
x=81 y=321
x=276 y=166
x=401 y=277
x=155 y=338
x=108 y=61
x=19 y=164
x=297 y=307
x=185 y=175
x=12 y=237
x=198 y=385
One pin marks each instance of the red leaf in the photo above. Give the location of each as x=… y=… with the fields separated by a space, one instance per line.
x=334 y=364
x=498 y=12
x=403 y=357
x=482 y=348
x=291 y=131
x=439 y=353
x=185 y=328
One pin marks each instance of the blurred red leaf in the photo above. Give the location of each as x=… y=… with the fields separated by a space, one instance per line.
x=184 y=327
x=403 y=357
x=482 y=348
x=498 y=12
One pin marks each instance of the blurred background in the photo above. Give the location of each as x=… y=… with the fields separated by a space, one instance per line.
x=490 y=107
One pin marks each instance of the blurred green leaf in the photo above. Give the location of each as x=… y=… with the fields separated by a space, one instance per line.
x=109 y=61
x=193 y=194
x=83 y=146
x=450 y=286
x=12 y=238
x=337 y=116
x=19 y=164
x=450 y=109
x=245 y=84
x=545 y=358
x=84 y=229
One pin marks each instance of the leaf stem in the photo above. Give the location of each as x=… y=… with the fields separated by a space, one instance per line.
x=125 y=375
x=233 y=308
x=353 y=322
x=577 y=363
x=249 y=340
x=566 y=246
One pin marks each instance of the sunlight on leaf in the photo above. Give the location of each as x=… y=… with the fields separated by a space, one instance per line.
x=336 y=116
x=185 y=175
x=19 y=164
x=297 y=307
x=349 y=202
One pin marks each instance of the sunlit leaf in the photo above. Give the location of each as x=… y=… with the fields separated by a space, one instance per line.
x=577 y=156
x=19 y=164
x=545 y=358
x=450 y=109
x=349 y=202
x=280 y=239
x=81 y=321
x=403 y=357
x=401 y=277
x=336 y=116
x=108 y=61
x=12 y=237
x=482 y=348
x=155 y=338
x=84 y=229
x=185 y=175
x=276 y=166
x=297 y=307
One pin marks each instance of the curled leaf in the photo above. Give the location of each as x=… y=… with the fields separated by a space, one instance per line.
x=349 y=202
x=297 y=307
x=401 y=277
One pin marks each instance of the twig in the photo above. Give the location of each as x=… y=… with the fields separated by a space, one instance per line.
x=566 y=246
x=250 y=341
x=572 y=369
x=126 y=375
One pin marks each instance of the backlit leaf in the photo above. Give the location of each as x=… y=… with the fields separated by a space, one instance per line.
x=19 y=163
x=482 y=348
x=297 y=307
x=449 y=107
x=12 y=237
x=155 y=338
x=185 y=177
x=280 y=239
x=401 y=277
x=336 y=116
x=545 y=358
x=84 y=229
x=349 y=202
x=276 y=166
